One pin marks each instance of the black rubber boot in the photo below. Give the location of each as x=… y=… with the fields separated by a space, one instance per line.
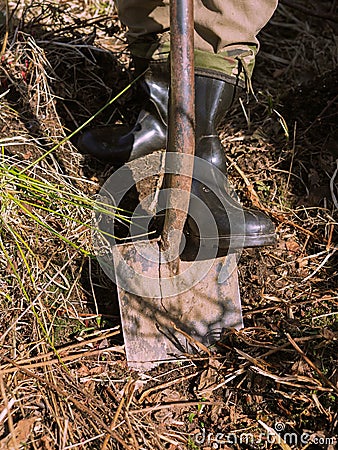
x=117 y=143
x=237 y=227
x=227 y=225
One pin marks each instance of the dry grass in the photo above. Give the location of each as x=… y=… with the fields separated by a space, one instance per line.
x=63 y=377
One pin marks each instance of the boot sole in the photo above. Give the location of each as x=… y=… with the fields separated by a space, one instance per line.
x=209 y=248
x=226 y=242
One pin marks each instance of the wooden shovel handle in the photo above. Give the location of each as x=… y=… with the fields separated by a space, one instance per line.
x=181 y=127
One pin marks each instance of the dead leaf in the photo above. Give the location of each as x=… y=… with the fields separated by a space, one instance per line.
x=82 y=371
x=27 y=155
x=47 y=443
x=22 y=431
x=302 y=262
x=254 y=197
x=96 y=370
x=292 y=246
x=209 y=379
x=216 y=411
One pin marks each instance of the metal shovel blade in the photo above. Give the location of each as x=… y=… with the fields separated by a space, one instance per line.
x=202 y=302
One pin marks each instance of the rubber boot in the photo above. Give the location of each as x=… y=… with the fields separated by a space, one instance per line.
x=228 y=224
x=236 y=227
x=117 y=143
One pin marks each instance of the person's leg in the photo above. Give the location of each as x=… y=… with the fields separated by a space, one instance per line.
x=224 y=31
x=225 y=49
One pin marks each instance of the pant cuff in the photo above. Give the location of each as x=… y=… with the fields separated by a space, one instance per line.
x=234 y=64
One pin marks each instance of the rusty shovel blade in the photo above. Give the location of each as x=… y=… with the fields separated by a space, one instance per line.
x=159 y=312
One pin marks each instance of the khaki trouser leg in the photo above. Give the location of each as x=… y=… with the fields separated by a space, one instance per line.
x=225 y=32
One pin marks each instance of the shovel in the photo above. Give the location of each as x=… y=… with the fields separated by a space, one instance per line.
x=169 y=307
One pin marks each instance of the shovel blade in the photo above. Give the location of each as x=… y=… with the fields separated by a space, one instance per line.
x=202 y=301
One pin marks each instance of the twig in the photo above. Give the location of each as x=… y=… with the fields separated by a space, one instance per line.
x=256 y=362
x=190 y=339
x=329 y=104
x=292 y=380
x=67 y=348
x=165 y=385
x=9 y=414
x=172 y=405
x=80 y=24
x=116 y=415
x=310 y=12
x=329 y=239
x=284 y=346
x=327 y=257
x=65 y=359
x=280 y=441
x=131 y=431
x=332 y=185
x=4 y=412
x=256 y=202
x=4 y=44
x=310 y=363
x=79 y=405
x=292 y=156
x=82 y=443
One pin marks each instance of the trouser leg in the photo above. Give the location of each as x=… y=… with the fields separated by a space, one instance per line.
x=225 y=35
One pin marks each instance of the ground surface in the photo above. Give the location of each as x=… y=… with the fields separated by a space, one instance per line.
x=63 y=376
